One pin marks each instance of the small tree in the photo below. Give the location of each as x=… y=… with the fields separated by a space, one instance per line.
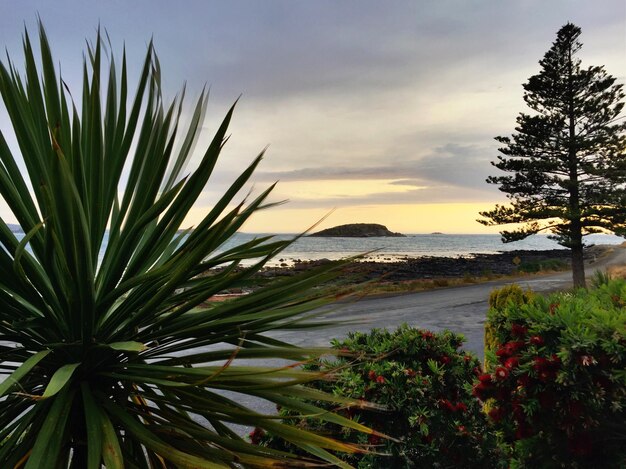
x=568 y=158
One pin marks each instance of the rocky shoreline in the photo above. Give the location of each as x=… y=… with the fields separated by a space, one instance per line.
x=429 y=267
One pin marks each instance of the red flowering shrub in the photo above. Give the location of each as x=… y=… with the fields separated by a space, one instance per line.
x=497 y=319
x=557 y=381
x=425 y=383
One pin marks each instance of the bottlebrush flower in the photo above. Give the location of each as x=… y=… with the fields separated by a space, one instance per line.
x=587 y=360
x=445 y=359
x=536 y=340
x=446 y=404
x=371 y=375
x=256 y=435
x=461 y=407
x=502 y=373
x=511 y=363
x=496 y=414
x=380 y=379
x=485 y=378
x=517 y=330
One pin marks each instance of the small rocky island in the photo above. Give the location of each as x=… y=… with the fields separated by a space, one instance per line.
x=357 y=230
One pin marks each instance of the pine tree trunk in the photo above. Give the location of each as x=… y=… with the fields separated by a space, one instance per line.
x=578 y=267
x=575 y=228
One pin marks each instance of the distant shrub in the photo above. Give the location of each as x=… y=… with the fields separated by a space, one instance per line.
x=557 y=382
x=441 y=282
x=541 y=266
x=599 y=278
x=425 y=383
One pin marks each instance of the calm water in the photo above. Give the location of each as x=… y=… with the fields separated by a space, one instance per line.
x=413 y=246
x=387 y=249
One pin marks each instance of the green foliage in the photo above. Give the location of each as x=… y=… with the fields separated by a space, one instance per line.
x=424 y=382
x=600 y=278
x=568 y=157
x=542 y=266
x=497 y=319
x=119 y=360
x=557 y=383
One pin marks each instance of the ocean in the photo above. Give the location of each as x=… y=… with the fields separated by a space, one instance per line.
x=384 y=249
x=389 y=249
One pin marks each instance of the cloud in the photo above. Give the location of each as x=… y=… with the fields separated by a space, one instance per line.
x=453 y=164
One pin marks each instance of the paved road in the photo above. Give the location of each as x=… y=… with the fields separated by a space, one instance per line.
x=460 y=309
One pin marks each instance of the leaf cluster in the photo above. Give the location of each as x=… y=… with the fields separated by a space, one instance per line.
x=118 y=359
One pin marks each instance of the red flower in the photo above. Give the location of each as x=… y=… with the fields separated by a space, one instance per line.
x=485 y=379
x=445 y=359
x=502 y=373
x=467 y=358
x=545 y=369
x=587 y=360
x=371 y=375
x=536 y=340
x=511 y=363
x=517 y=330
x=515 y=346
x=477 y=371
x=462 y=429
x=460 y=406
x=380 y=379
x=509 y=349
x=482 y=391
x=256 y=435
x=427 y=335
x=502 y=353
x=553 y=307
x=540 y=363
x=446 y=404
x=496 y=414
x=409 y=372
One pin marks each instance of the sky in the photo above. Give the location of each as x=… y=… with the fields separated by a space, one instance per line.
x=374 y=112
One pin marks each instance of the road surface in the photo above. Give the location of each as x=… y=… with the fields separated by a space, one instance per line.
x=461 y=309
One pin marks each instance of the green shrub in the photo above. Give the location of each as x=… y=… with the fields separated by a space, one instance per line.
x=424 y=381
x=558 y=381
x=542 y=266
x=499 y=299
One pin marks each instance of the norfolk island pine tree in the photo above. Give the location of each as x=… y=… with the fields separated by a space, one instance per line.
x=567 y=158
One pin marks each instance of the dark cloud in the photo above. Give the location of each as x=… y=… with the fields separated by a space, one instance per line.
x=452 y=164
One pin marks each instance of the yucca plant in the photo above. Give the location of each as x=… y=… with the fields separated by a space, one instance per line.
x=117 y=359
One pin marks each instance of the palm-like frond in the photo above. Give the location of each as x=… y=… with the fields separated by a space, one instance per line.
x=119 y=360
